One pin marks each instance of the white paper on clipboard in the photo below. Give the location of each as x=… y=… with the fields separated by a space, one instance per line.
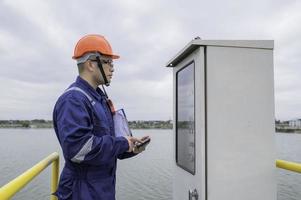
x=121 y=124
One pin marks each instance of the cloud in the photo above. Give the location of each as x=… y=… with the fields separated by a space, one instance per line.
x=37 y=40
x=23 y=100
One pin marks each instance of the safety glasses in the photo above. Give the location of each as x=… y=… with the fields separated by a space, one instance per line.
x=105 y=61
x=109 y=62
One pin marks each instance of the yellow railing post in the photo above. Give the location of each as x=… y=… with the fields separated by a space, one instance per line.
x=10 y=189
x=291 y=166
x=54 y=177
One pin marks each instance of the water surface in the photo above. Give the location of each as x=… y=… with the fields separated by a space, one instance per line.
x=146 y=176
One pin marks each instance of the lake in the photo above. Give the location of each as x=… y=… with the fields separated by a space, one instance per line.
x=146 y=176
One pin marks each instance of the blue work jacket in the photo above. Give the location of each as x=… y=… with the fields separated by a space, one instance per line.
x=84 y=126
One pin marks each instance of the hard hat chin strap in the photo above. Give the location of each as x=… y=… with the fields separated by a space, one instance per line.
x=99 y=64
x=109 y=102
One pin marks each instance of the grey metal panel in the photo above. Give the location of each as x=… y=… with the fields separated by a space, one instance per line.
x=194 y=44
x=237 y=114
x=240 y=120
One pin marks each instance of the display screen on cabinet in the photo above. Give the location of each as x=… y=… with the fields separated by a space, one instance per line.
x=185 y=118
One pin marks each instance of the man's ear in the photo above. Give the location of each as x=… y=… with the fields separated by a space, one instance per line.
x=89 y=65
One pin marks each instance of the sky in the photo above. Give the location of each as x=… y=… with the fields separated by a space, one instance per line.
x=37 y=39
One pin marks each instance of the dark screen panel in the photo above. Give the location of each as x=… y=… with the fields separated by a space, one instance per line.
x=185 y=118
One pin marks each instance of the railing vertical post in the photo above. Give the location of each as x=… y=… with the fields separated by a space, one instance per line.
x=54 y=177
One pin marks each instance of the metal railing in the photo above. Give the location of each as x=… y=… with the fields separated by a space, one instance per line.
x=11 y=188
x=291 y=166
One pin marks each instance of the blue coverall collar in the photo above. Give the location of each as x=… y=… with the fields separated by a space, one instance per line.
x=87 y=87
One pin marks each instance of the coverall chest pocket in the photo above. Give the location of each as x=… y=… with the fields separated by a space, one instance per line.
x=100 y=121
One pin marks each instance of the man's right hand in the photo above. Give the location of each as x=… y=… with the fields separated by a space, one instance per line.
x=132 y=141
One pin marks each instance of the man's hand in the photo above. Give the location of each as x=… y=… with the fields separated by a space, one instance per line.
x=132 y=141
x=137 y=149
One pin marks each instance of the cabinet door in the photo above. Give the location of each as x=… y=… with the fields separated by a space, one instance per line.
x=189 y=168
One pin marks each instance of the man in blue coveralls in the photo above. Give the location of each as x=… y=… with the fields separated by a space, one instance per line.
x=84 y=126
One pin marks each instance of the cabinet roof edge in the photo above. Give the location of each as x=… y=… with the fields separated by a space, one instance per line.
x=194 y=44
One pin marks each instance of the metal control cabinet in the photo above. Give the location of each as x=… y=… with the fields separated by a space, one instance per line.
x=224 y=121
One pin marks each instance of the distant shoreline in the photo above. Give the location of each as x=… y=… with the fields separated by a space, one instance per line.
x=47 y=124
x=288 y=130
x=138 y=124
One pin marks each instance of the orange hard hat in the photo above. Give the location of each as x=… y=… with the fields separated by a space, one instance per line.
x=93 y=43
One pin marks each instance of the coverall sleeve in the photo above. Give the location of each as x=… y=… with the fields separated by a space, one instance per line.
x=78 y=143
x=126 y=155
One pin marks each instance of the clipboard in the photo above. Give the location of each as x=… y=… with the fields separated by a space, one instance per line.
x=121 y=124
x=122 y=128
